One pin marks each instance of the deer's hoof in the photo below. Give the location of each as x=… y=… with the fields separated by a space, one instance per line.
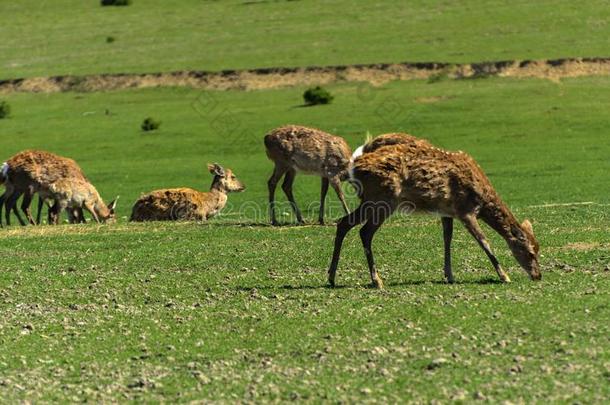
x=378 y=284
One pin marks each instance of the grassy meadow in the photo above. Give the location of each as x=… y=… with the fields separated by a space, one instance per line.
x=238 y=310
x=58 y=37
x=234 y=310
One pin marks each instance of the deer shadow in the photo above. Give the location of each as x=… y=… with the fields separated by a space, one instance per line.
x=326 y=286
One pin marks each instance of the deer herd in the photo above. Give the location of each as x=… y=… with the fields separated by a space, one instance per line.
x=391 y=173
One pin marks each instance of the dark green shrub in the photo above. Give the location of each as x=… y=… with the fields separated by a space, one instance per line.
x=317 y=95
x=110 y=40
x=5 y=109
x=150 y=124
x=115 y=2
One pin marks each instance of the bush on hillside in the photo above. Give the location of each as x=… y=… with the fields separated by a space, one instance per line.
x=115 y=2
x=317 y=95
x=150 y=124
x=5 y=109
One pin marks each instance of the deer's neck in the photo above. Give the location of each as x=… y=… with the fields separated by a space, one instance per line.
x=217 y=188
x=219 y=194
x=497 y=215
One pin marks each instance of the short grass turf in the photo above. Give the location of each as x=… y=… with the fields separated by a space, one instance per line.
x=53 y=37
x=237 y=310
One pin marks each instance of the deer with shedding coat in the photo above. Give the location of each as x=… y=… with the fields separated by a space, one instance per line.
x=53 y=177
x=311 y=151
x=401 y=172
x=174 y=204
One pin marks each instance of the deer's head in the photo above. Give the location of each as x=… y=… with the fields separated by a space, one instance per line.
x=224 y=179
x=525 y=248
x=106 y=213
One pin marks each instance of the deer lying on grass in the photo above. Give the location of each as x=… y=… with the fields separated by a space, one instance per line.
x=53 y=177
x=398 y=172
x=185 y=203
x=311 y=151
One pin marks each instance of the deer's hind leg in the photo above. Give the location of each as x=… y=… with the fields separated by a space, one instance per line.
x=10 y=204
x=447 y=236
x=278 y=172
x=376 y=215
x=336 y=185
x=287 y=187
x=2 y=199
x=471 y=223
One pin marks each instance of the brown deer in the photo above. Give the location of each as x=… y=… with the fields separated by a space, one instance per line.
x=185 y=203
x=294 y=148
x=52 y=177
x=412 y=174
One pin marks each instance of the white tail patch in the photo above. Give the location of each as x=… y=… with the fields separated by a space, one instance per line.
x=4 y=170
x=357 y=153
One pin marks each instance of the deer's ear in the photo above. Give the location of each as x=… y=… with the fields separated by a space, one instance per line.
x=216 y=169
x=112 y=204
x=527 y=225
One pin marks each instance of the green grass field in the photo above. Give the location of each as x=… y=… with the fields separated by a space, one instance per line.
x=52 y=37
x=235 y=310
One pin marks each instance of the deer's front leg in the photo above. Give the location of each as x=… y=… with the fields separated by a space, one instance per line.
x=323 y=191
x=25 y=207
x=287 y=187
x=89 y=207
x=278 y=172
x=447 y=236
x=471 y=223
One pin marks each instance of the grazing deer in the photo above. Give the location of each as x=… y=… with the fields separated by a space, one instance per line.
x=76 y=194
x=185 y=203
x=311 y=151
x=415 y=174
x=52 y=177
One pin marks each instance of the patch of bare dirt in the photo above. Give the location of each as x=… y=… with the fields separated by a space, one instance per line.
x=583 y=246
x=270 y=78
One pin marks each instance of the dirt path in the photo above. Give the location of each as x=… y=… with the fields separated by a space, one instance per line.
x=270 y=78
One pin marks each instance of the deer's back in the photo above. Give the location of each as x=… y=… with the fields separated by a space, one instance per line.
x=428 y=178
x=394 y=139
x=308 y=150
x=42 y=168
x=171 y=204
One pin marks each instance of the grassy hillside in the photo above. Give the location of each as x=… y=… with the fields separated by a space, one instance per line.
x=235 y=309
x=42 y=38
x=539 y=141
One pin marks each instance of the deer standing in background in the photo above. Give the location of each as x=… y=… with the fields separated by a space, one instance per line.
x=311 y=151
x=185 y=203
x=53 y=177
x=400 y=172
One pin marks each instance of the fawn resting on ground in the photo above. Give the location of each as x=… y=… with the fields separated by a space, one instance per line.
x=401 y=172
x=185 y=203
x=52 y=177
x=310 y=151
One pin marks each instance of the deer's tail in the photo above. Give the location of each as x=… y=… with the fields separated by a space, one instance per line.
x=3 y=172
x=357 y=153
